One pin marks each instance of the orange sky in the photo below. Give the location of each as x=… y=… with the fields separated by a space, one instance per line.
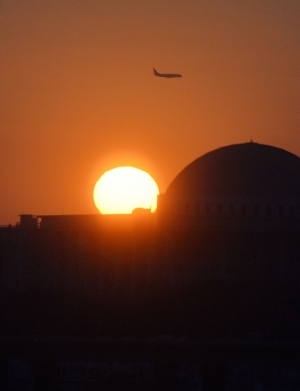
x=78 y=96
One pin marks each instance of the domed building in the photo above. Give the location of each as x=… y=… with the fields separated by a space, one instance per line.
x=233 y=213
x=242 y=180
x=229 y=234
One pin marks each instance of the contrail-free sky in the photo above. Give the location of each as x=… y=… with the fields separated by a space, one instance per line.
x=78 y=95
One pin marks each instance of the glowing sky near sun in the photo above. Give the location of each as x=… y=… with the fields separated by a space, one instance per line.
x=78 y=96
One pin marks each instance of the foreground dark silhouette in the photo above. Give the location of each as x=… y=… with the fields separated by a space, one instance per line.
x=202 y=295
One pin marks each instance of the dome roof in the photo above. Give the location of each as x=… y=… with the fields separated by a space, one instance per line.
x=240 y=169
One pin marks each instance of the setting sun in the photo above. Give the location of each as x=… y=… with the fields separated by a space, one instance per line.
x=122 y=189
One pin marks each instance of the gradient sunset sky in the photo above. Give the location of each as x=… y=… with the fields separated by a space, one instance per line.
x=78 y=95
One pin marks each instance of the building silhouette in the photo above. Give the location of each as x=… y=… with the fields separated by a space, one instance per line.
x=201 y=295
x=220 y=258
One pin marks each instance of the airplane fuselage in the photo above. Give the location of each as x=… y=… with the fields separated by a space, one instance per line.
x=167 y=75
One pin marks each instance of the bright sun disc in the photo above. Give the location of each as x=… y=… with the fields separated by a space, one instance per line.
x=123 y=189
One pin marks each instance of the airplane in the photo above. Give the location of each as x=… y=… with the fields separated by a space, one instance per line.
x=167 y=75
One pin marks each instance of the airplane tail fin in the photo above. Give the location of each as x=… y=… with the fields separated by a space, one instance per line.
x=155 y=71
